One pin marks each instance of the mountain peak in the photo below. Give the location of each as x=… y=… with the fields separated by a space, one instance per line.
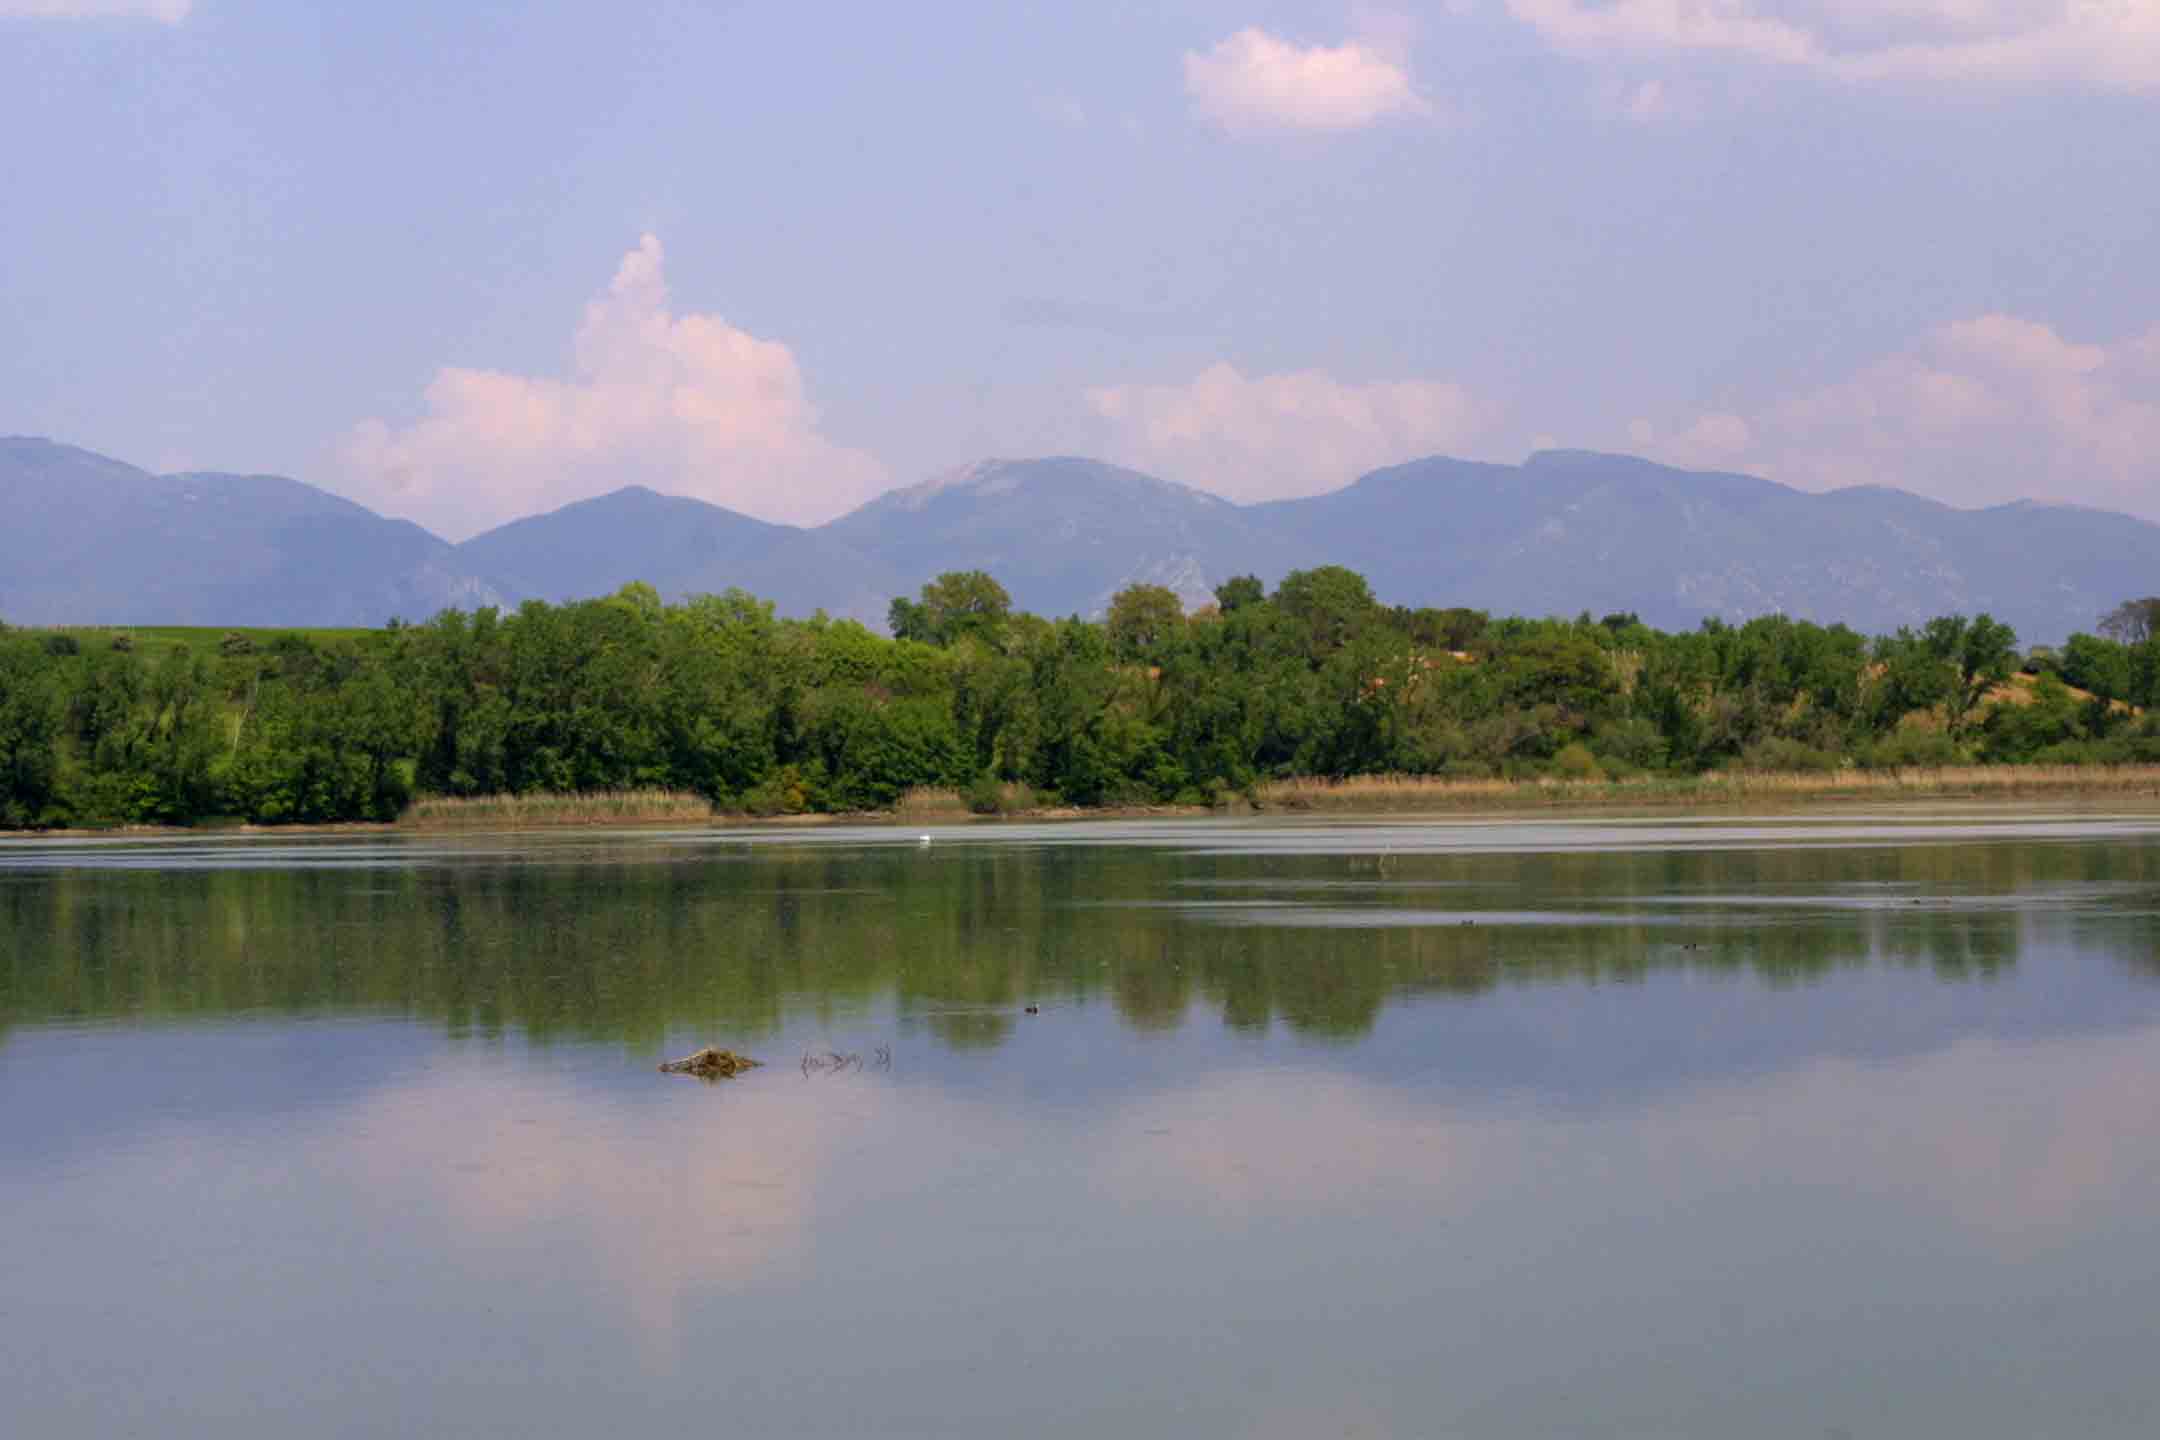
x=959 y=478
x=96 y=541
x=38 y=450
x=1070 y=477
x=1567 y=455
x=1062 y=531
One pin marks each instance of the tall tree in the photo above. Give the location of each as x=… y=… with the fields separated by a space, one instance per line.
x=958 y=603
x=1144 y=621
x=1980 y=653
x=2133 y=621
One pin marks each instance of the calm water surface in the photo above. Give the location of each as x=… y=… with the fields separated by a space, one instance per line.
x=1831 y=1127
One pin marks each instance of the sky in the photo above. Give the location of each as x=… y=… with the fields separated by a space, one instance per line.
x=466 y=262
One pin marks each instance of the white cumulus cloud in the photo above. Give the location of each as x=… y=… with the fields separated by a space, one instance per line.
x=2111 y=44
x=1982 y=411
x=1274 y=436
x=171 y=12
x=1254 y=81
x=687 y=404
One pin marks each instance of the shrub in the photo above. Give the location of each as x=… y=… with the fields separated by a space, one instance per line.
x=2099 y=666
x=780 y=793
x=1633 y=742
x=1912 y=747
x=235 y=643
x=1573 y=761
x=1779 y=753
x=986 y=796
x=62 y=644
x=2084 y=752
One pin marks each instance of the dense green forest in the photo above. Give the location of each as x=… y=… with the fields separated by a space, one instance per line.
x=765 y=715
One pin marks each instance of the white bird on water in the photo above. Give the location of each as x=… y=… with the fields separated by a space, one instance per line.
x=922 y=839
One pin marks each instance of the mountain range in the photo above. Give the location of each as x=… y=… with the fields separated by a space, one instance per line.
x=94 y=541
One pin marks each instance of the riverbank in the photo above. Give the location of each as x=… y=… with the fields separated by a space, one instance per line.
x=675 y=807
x=2131 y=785
x=1373 y=794
x=592 y=807
x=1410 y=793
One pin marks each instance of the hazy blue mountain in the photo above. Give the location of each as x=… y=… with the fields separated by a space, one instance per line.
x=90 y=540
x=1573 y=530
x=680 y=547
x=1062 y=534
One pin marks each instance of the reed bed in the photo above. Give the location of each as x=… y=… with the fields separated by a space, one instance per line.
x=1377 y=793
x=587 y=807
x=928 y=801
x=1720 y=787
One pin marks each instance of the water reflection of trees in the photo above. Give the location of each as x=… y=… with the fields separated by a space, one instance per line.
x=608 y=949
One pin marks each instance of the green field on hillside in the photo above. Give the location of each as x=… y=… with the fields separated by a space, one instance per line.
x=154 y=642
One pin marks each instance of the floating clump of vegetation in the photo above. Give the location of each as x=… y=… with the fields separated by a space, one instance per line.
x=591 y=807
x=710 y=1064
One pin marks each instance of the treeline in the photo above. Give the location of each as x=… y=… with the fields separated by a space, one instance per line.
x=765 y=715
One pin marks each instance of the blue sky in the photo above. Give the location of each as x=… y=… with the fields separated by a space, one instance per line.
x=465 y=262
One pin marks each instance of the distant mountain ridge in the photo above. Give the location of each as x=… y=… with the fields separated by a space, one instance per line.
x=90 y=540
x=1065 y=533
x=680 y=547
x=1576 y=530
x=98 y=541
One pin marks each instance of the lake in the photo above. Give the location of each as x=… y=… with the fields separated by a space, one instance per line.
x=1830 y=1126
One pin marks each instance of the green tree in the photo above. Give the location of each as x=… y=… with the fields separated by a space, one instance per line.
x=2099 y=666
x=1144 y=622
x=958 y=603
x=1238 y=592
x=1328 y=605
x=32 y=707
x=2133 y=621
x=1983 y=654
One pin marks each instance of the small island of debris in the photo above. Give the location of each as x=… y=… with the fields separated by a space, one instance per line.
x=710 y=1064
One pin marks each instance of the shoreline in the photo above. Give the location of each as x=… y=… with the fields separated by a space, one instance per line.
x=2132 y=786
x=1716 y=789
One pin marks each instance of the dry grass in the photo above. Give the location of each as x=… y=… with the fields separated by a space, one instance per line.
x=2023 y=689
x=1379 y=793
x=933 y=802
x=1724 y=787
x=592 y=807
x=926 y=801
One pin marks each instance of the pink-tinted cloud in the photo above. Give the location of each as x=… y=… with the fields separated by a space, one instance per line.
x=1272 y=436
x=1254 y=81
x=685 y=403
x=1981 y=411
x=2010 y=1146
x=169 y=12
x=718 y=1197
x=2113 y=44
